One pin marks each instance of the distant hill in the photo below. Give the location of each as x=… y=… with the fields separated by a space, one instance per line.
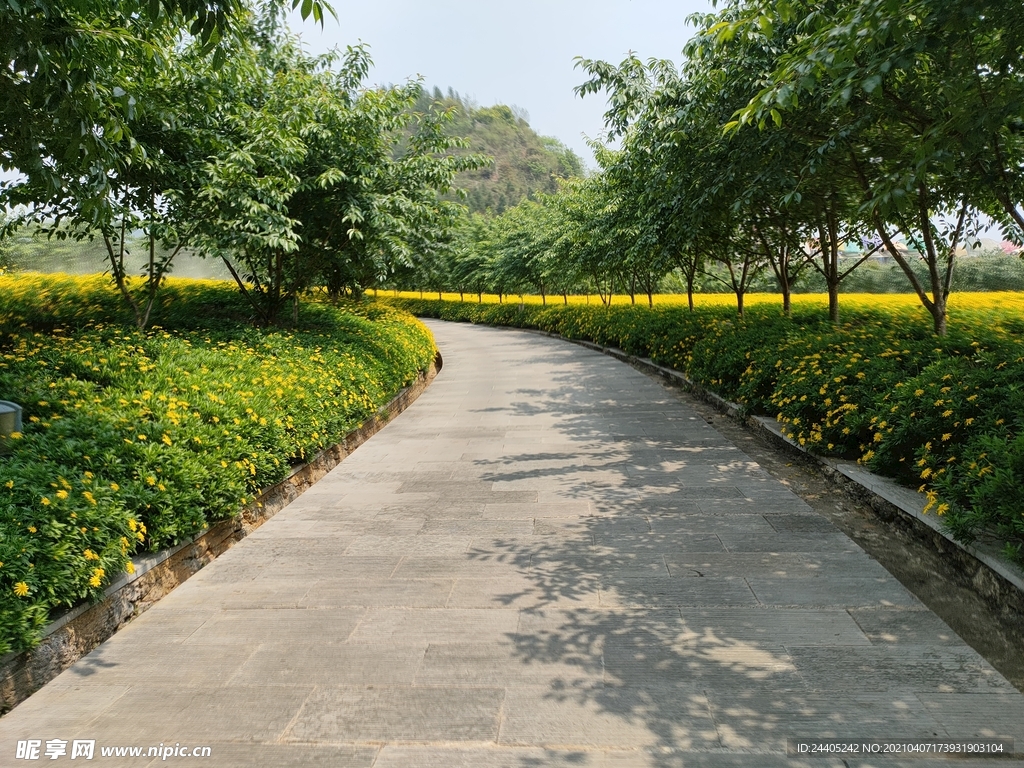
x=524 y=162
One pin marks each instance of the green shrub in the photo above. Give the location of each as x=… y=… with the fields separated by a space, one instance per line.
x=142 y=439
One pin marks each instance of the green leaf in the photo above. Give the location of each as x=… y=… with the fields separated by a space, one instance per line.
x=871 y=83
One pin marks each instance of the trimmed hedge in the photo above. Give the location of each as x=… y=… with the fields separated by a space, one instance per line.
x=945 y=415
x=142 y=439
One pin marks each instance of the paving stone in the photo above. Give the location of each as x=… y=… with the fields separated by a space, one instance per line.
x=235 y=755
x=421 y=545
x=573 y=527
x=759 y=719
x=480 y=664
x=522 y=592
x=763 y=504
x=795 y=522
x=452 y=625
x=468 y=566
x=723 y=664
x=174 y=713
x=750 y=541
x=182 y=664
x=477 y=528
x=848 y=592
x=921 y=669
x=776 y=565
x=665 y=593
x=327 y=663
x=895 y=626
x=70 y=706
x=608 y=716
x=529 y=511
x=658 y=543
x=497 y=757
x=971 y=715
x=691 y=493
x=398 y=713
x=610 y=565
x=326 y=565
x=355 y=593
x=769 y=627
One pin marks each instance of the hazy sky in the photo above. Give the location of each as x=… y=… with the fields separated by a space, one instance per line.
x=512 y=53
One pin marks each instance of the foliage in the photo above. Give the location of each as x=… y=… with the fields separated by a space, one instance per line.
x=139 y=439
x=879 y=388
x=523 y=163
x=239 y=146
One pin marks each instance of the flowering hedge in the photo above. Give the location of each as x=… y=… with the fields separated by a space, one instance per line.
x=141 y=439
x=945 y=415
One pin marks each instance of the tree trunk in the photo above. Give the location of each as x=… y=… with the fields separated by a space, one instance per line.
x=833 y=302
x=787 y=291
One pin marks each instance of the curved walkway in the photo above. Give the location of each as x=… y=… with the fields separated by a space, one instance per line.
x=546 y=561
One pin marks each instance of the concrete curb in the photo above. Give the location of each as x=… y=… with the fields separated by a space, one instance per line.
x=1001 y=582
x=84 y=627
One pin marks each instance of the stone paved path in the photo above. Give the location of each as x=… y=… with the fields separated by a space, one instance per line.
x=546 y=561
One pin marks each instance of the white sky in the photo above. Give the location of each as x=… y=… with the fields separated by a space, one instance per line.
x=519 y=53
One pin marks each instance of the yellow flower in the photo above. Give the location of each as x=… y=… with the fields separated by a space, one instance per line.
x=97 y=577
x=31 y=529
x=45 y=501
x=166 y=439
x=115 y=487
x=89 y=497
x=21 y=589
x=9 y=484
x=62 y=494
x=90 y=555
x=130 y=567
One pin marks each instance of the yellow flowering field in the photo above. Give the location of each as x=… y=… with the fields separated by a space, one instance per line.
x=943 y=415
x=141 y=439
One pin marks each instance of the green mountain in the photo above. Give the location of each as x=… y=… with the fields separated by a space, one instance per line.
x=524 y=162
